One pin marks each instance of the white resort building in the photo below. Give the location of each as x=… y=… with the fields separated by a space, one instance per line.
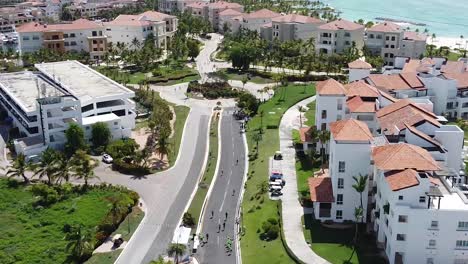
x=43 y=104
x=416 y=194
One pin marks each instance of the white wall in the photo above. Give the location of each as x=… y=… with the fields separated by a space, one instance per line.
x=358 y=74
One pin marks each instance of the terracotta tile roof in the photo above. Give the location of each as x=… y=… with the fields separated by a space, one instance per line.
x=462 y=79
x=453 y=67
x=357 y=105
x=230 y=12
x=320 y=189
x=350 y=130
x=401 y=179
x=241 y=17
x=156 y=16
x=403 y=156
x=389 y=82
x=198 y=4
x=387 y=96
x=128 y=20
x=359 y=64
x=295 y=18
x=361 y=88
x=75 y=25
x=428 y=61
x=304 y=134
x=424 y=136
x=224 y=5
x=330 y=87
x=411 y=35
x=262 y=13
x=396 y=116
x=411 y=66
x=387 y=27
x=267 y=25
x=341 y=24
x=412 y=79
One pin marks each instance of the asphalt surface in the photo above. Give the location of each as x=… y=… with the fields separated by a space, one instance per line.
x=224 y=196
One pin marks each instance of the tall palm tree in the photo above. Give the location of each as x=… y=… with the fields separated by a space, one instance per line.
x=119 y=204
x=79 y=242
x=46 y=166
x=84 y=166
x=301 y=109
x=257 y=137
x=360 y=185
x=163 y=147
x=19 y=168
x=176 y=250
x=63 y=168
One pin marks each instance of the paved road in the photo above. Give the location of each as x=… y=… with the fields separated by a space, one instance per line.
x=292 y=209
x=223 y=199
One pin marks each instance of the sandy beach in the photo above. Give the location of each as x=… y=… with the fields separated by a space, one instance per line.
x=453 y=43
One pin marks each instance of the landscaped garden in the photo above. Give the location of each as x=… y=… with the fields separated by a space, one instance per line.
x=58 y=223
x=256 y=206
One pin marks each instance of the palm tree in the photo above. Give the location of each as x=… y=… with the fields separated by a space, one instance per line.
x=46 y=166
x=63 y=168
x=119 y=204
x=84 y=166
x=176 y=250
x=19 y=168
x=360 y=185
x=163 y=147
x=324 y=137
x=301 y=109
x=79 y=242
x=257 y=137
x=358 y=213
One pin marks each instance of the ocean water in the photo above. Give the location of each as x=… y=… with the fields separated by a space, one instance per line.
x=445 y=18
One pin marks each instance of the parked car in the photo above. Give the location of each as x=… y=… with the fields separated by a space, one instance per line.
x=276 y=193
x=106 y=158
x=278 y=155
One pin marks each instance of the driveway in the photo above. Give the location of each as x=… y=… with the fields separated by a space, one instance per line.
x=292 y=209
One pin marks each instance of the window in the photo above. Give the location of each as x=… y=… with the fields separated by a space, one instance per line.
x=94 y=41
x=35 y=37
x=400 y=197
x=430 y=261
x=323 y=126
x=393 y=38
x=347 y=43
x=339 y=214
x=392 y=46
x=401 y=237
x=462 y=244
x=339 y=106
x=432 y=243
x=379 y=36
x=422 y=199
x=340 y=183
x=339 y=199
x=402 y=218
x=462 y=225
x=324 y=114
x=94 y=33
x=341 y=166
x=65 y=35
x=387 y=38
x=434 y=224
x=347 y=34
x=66 y=44
x=87 y=128
x=338 y=117
x=72 y=35
x=73 y=43
x=115 y=123
x=371 y=36
x=25 y=38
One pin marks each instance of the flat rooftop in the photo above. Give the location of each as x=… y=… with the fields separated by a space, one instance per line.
x=26 y=87
x=99 y=118
x=81 y=81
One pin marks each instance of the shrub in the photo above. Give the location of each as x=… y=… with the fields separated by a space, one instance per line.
x=213 y=90
x=270 y=229
x=188 y=220
x=45 y=195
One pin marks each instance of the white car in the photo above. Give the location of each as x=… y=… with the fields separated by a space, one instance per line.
x=107 y=158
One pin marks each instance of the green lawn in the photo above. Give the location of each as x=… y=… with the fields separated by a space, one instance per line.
x=197 y=202
x=182 y=113
x=335 y=245
x=137 y=77
x=453 y=56
x=310 y=114
x=35 y=235
x=304 y=170
x=255 y=211
x=126 y=229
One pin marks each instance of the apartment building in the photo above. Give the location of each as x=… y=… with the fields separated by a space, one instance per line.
x=416 y=193
x=389 y=41
x=17 y=16
x=443 y=83
x=294 y=27
x=211 y=11
x=338 y=36
x=169 y=6
x=126 y=28
x=43 y=104
x=79 y=35
x=231 y=20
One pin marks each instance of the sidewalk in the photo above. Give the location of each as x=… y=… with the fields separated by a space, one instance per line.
x=292 y=210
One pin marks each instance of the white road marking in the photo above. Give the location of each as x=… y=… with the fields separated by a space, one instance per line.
x=217 y=240
x=225 y=191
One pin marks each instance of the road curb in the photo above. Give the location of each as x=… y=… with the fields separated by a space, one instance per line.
x=241 y=196
x=182 y=141
x=215 y=177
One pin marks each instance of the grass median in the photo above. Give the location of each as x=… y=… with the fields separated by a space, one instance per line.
x=258 y=208
x=208 y=175
x=181 y=113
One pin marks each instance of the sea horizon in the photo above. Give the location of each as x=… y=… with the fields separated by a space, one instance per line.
x=445 y=18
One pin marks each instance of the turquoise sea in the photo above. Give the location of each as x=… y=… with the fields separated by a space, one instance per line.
x=445 y=18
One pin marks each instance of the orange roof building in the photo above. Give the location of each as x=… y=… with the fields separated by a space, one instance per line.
x=403 y=156
x=330 y=87
x=350 y=130
x=321 y=189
